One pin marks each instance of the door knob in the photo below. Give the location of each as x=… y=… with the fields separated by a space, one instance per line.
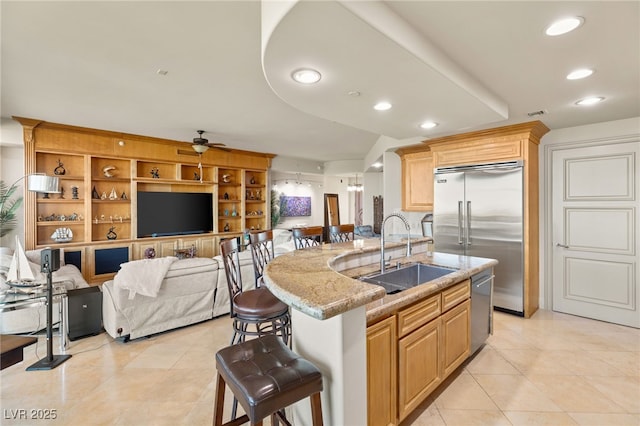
x=562 y=245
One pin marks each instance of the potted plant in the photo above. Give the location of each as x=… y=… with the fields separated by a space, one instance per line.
x=8 y=208
x=275 y=208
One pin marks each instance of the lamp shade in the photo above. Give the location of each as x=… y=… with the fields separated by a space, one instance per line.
x=43 y=183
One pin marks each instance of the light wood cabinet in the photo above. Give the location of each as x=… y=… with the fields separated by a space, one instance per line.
x=433 y=339
x=419 y=366
x=417 y=181
x=514 y=142
x=456 y=337
x=101 y=173
x=381 y=373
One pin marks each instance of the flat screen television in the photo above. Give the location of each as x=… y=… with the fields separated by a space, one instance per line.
x=174 y=213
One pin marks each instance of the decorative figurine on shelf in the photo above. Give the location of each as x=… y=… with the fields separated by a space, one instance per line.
x=60 y=169
x=234 y=212
x=196 y=176
x=113 y=195
x=103 y=196
x=258 y=194
x=253 y=180
x=107 y=171
x=226 y=227
x=62 y=235
x=74 y=192
x=111 y=235
x=61 y=196
x=226 y=196
x=149 y=253
x=226 y=178
x=155 y=173
x=94 y=194
x=226 y=212
x=124 y=196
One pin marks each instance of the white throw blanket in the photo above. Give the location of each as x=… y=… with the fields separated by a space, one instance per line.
x=143 y=276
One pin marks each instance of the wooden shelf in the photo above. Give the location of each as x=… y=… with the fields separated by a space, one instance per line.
x=61 y=201
x=89 y=156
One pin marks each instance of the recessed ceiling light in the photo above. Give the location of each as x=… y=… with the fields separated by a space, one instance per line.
x=578 y=74
x=428 y=125
x=377 y=165
x=382 y=106
x=306 y=76
x=162 y=72
x=563 y=26
x=590 y=101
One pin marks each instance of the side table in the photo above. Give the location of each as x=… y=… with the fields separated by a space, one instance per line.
x=27 y=298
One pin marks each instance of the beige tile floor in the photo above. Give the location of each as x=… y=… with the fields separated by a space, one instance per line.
x=552 y=369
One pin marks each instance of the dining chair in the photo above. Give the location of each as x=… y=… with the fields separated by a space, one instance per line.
x=341 y=233
x=307 y=237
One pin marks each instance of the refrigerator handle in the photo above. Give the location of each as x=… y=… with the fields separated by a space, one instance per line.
x=468 y=224
x=460 y=222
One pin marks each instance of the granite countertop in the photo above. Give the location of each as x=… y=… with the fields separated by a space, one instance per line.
x=320 y=281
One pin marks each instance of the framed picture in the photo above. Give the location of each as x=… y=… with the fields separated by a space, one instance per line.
x=295 y=206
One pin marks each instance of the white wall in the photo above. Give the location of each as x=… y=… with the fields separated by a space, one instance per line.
x=610 y=130
x=309 y=186
x=12 y=169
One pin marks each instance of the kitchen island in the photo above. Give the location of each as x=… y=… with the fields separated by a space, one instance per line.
x=332 y=309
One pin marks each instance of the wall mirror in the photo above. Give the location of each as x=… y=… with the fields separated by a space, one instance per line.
x=331 y=213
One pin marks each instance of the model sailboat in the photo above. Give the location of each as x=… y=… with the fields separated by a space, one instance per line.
x=19 y=270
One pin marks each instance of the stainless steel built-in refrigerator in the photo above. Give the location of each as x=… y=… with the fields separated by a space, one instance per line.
x=478 y=212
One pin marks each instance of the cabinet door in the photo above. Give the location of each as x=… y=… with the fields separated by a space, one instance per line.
x=456 y=332
x=381 y=373
x=419 y=371
x=417 y=181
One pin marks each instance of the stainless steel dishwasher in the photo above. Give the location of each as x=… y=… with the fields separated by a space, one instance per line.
x=481 y=308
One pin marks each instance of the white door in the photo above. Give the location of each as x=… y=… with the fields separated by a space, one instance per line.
x=596 y=228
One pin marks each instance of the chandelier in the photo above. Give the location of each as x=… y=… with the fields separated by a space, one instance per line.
x=356 y=187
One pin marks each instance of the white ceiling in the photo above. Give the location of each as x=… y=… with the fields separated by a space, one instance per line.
x=466 y=65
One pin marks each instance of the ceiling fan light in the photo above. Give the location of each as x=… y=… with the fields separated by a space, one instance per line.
x=306 y=76
x=199 y=148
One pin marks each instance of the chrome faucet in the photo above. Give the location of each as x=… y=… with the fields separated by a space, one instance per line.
x=406 y=224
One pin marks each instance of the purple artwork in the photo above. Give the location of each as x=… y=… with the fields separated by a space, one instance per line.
x=295 y=206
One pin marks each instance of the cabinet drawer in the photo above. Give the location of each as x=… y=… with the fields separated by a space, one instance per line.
x=415 y=316
x=455 y=295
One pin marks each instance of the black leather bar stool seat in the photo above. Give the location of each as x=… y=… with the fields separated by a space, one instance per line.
x=258 y=304
x=266 y=376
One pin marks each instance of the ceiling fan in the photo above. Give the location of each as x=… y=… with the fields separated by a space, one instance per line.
x=201 y=144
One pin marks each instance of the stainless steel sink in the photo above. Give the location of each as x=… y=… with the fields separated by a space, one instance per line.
x=396 y=280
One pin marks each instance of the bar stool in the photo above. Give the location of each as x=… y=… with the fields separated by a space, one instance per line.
x=307 y=237
x=257 y=308
x=341 y=233
x=265 y=376
x=261 y=252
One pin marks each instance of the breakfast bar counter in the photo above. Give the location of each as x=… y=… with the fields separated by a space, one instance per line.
x=331 y=309
x=322 y=281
